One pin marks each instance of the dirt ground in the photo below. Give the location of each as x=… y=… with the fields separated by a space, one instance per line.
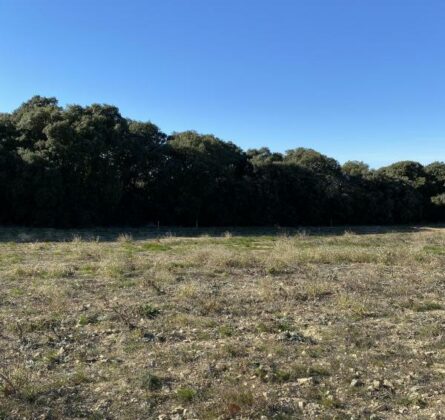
x=252 y=324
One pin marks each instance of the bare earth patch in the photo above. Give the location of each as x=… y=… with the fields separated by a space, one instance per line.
x=329 y=324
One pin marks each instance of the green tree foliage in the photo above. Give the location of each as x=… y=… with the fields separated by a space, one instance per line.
x=10 y=168
x=203 y=175
x=314 y=161
x=435 y=173
x=411 y=172
x=435 y=187
x=263 y=156
x=79 y=166
x=355 y=168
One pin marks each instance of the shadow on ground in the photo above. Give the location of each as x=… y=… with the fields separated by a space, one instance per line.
x=110 y=234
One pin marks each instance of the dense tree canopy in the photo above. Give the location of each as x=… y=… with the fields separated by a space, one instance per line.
x=83 y=166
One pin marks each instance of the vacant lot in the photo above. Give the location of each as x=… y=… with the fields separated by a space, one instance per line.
x=146 y=324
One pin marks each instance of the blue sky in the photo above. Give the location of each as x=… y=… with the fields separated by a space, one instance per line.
x=354 y=79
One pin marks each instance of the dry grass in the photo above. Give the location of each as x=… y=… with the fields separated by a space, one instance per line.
x=108 y=324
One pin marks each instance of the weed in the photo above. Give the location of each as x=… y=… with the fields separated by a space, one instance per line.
x=151 y=382
x=186 y=394
x=86 y=319
x=148 y=311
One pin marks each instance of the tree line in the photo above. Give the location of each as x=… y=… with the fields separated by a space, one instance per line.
x=84 y=166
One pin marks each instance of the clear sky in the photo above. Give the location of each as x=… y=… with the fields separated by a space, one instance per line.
x=354 y=79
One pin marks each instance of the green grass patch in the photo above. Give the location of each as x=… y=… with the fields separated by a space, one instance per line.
x=186 y=394
x=434 y=249
x=427 y=306
x=148 y=311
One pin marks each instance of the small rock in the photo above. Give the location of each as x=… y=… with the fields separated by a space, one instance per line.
x=178 y=410
x=221 y=367
x=306 y=381
x=356 y=383
x=388 y=384
x=376 y=384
